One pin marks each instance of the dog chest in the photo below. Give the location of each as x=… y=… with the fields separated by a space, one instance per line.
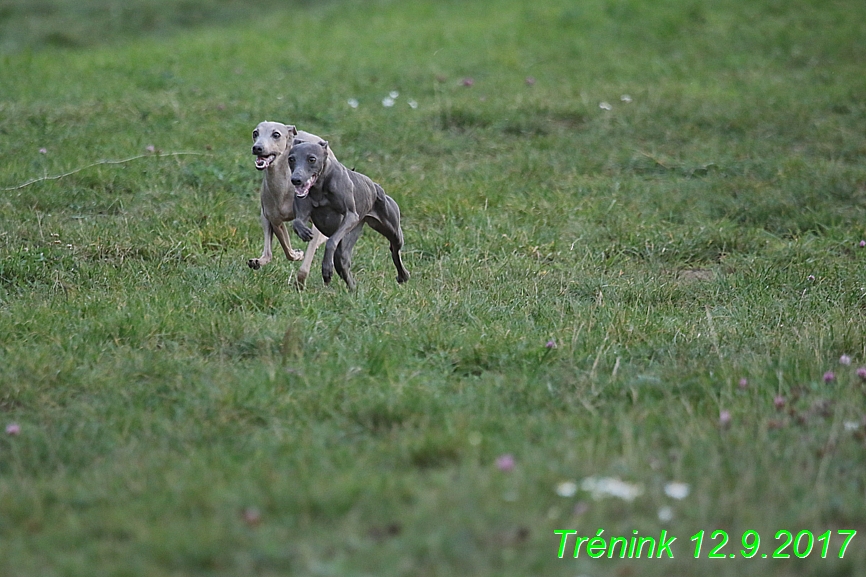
x=327 y=221
x=278 y=206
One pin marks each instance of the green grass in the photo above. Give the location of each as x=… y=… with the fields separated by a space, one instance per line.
x=182 y=414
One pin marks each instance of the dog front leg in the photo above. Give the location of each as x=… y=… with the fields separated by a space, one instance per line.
x=286 y=243
x=304 y=271
x=257 y=263
x=350 y=221
x=303 y=210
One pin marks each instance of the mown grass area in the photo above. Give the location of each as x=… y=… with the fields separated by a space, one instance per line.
x=614 y=212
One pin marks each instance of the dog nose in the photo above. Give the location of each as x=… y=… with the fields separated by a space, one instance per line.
x=297 y=181
x=257 y=149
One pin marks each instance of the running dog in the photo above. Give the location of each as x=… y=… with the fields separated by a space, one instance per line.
x=271 y=143
x=339 y=201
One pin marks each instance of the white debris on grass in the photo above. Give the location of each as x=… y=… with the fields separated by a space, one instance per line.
x=677 y=490
x=601 y=487
x=566 y=489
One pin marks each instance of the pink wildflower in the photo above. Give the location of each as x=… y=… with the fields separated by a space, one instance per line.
x=251 y=516
x=505 y=462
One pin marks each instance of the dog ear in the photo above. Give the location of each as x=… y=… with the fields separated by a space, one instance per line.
x=297 y=141
x=292 y=130
x=323 y=144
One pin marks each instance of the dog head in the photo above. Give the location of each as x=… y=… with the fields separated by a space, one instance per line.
x=270 y=140
x=307 y=161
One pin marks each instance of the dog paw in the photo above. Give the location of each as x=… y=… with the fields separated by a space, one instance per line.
x=254 y=264
x=403 y=277
x=304 y=232
x=300 y=280
x=296 y=255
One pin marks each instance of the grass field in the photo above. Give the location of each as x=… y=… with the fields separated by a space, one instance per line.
x=634 y=235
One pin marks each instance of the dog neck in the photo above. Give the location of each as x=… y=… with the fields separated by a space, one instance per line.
x=330 y=164
x=277 y=175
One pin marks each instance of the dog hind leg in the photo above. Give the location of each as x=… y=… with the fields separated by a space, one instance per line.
x=385 y=219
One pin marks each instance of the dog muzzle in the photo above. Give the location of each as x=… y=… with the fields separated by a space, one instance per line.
x=304 y=189
x=262 y=162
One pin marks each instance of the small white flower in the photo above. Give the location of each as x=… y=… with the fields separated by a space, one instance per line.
x=566 y=489
x=605 y=106
x=666 y=514
x=387 y=102
x=845 y=360
x=413 y=105
x=353 y=103
x=852 y=426
x=394 y=94
x=625 y=98
x=677 y=490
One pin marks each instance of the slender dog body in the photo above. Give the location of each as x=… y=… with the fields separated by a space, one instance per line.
x=271 y=143
x=339 y=201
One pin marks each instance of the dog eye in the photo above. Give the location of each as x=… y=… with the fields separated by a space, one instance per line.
x=255 y=133
x=312 y=160
x=277 y=135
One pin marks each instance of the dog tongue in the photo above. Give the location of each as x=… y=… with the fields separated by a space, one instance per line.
x=262 y=162
x=302 y=190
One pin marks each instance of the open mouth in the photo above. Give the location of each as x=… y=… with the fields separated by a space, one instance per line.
x=302 y=190
x=262 y=162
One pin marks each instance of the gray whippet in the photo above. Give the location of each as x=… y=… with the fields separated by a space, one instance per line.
x=340 y=201
x=271 y=143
